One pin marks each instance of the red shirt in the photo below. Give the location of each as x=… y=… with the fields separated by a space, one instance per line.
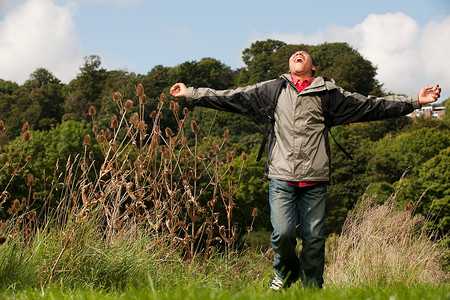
x=301 y=85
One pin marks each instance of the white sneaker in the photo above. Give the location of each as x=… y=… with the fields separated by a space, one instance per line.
x=277 y=283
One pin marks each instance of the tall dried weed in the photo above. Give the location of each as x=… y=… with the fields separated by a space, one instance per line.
x=382 y=245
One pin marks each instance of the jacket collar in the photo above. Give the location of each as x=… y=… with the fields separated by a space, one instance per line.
x=319 y=84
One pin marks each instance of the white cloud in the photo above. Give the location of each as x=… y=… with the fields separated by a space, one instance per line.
x=38 y=33
x=5 y=5
x=407 y=57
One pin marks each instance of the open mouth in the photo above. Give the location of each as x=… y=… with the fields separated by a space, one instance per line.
x=298 y=59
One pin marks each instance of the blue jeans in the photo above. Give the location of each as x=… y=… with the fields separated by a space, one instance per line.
x=291 y=206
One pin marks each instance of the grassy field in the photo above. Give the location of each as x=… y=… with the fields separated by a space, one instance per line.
x=295 y=292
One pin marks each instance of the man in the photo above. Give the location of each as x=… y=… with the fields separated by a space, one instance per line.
x=302 y=107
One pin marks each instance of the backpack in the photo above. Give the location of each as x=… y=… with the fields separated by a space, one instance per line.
x=270 y=112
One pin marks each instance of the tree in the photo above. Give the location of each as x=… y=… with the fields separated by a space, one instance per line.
x=48 y=152
x=258 y=60
x=7 y=87
x=85 y=89
x=38 y=101
x=208 y=72
x=435 y=177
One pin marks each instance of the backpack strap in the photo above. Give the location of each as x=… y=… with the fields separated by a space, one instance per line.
x=267 y=133
x=269 y=112
x=328 y=119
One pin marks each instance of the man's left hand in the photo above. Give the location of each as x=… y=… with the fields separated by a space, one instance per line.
x=429 y=94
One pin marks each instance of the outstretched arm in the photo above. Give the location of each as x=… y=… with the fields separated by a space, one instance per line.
x=429 y=94
x=178 y=90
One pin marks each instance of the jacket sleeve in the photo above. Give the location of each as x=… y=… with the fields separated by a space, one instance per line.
x=249 y=100
x=345 y=107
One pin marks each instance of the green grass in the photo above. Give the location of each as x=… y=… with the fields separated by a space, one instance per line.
x=295 y=292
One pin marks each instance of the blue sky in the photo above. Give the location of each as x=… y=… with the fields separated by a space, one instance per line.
x=408 y=40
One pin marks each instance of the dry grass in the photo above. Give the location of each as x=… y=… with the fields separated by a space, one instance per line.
x=382 y=245
x=147 y=179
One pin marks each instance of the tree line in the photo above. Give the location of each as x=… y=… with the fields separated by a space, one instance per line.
x=403 y=156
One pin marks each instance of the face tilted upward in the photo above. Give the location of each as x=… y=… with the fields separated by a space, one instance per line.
x=301 y=64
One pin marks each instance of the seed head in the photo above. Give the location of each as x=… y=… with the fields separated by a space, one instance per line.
x=254 y=212
x=153 y=114
x=128 y=105
x=30 y=181
x=409 y=206
x=87 y=140
x=107 y=134
x=244 y=156
x=169 y=132
x=15 y=207
x=139 y=90
x=2 y=126
x=143 y=99
x=28 y=158
x=134 y=119
x=162 y=97
x=31 y=215
x=101 y=136
x=95 y=129
x=231 y=168
x=194 y=126
x=91 y=155
x=141 y=125
x=185 y=111
x=91 y=110
x=25 y=127
x=230 y=156
x=26 y=136
x=226 y=133
x=117 y=96
x=114 y=122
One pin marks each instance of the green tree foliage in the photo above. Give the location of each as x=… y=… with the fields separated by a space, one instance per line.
x=253 y=193
x=48 y=152
x=85 y=89
x=38 y=101
x=259 y=61
x=208 y=72
x=421 y=153
x=345 y=65
x=7 y=87
x=105 y=105
x=434 y=176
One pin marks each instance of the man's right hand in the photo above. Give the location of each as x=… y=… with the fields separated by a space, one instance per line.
x=178 y=90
